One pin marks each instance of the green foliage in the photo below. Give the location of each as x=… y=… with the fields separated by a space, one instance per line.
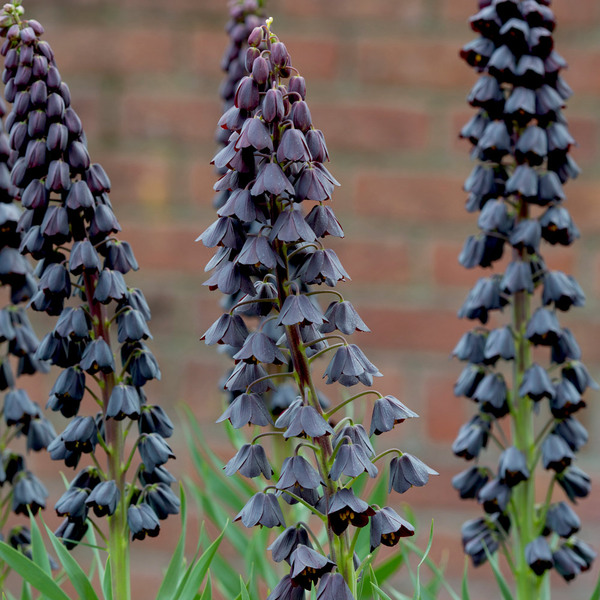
x=181 y=581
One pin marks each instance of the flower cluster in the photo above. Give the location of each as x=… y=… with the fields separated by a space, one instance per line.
x=269 y=254
x=68 y=227
x=20 y=489
x=521 y=141
x=244 y=16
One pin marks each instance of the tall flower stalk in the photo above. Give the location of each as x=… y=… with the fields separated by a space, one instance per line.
x=521 y=141
x=68 y=226
x=270 y=253
x=20 y=490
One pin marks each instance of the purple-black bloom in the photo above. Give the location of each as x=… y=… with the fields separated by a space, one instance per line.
x=250 y=461
x=262 y=509
x=308 y=566
x=287 y=542
x=387 y=528
x=407 y=471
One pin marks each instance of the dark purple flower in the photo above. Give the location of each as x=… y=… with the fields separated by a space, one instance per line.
x=308 y=566
x=154 y=450
x=472 y=437
x=333 y=586
x=469 y=482
x=286 y=590
x=407 y=471
x=161 y=498
x=556 y=453
x=350 y=366
x=262 y=509
x=247 y=409
x=249 y=461
x=352 y=460
x=142 y=521
x=562 y=519
x=575 y=482
x=387 y=528
x=539 y=555
x=104 y=498
x=536 y=384
x=307 y=422
x=287 y=542
x=512 y=467
x=72 y=504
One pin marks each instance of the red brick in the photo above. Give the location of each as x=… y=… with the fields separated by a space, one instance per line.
x=372 y=126
x=583 y=204
x=93 y=50
x=198 y=7
x=445 y=413
x=413 y=329
x=381 y=261
x=420 y=197
x=585 y=132
x=87 y=104
x=169 y=247
x=458 y=10
x=582 y=67
x=184 y=117
x=206 y=50
x=137 y=180
x=315 y=58
x=413 y=61
x=409 y=11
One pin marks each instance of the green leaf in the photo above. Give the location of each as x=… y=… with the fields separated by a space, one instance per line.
x=502 y=583
x=388 y=567
x=198 y=571
x=207 y=593
x=25 y=591
x=243 y=590
x=431 y=565
x=107 y=581
x=465 y=581
x=31 y=573
x=423 y=559
x=596 y=593
x=378 y=494
x=74 y=572
x=380 y=593
x=177 y=562
x=38 y=548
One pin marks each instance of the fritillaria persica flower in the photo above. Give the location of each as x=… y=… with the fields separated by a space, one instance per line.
x=521 y=143
x=273 y=218
x=68 y=226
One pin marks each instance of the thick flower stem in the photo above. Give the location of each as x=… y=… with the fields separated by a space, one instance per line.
x=341 y=555
x=118 y=537
x=524 y=517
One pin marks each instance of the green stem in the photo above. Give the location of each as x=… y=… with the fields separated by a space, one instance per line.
x=351 y=399
x=523 y=429
x=118 y=538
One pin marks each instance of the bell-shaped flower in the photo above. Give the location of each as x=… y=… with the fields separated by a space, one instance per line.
x=350 y=366
x=539 y=555
x=346 y=509
x=407 y=471
x=262 y=509
x=388 y=527
x=469 y=482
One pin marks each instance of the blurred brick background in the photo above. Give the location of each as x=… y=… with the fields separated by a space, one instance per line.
x=386 y=86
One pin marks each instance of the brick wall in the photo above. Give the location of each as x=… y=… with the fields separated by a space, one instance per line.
x=386 y=85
